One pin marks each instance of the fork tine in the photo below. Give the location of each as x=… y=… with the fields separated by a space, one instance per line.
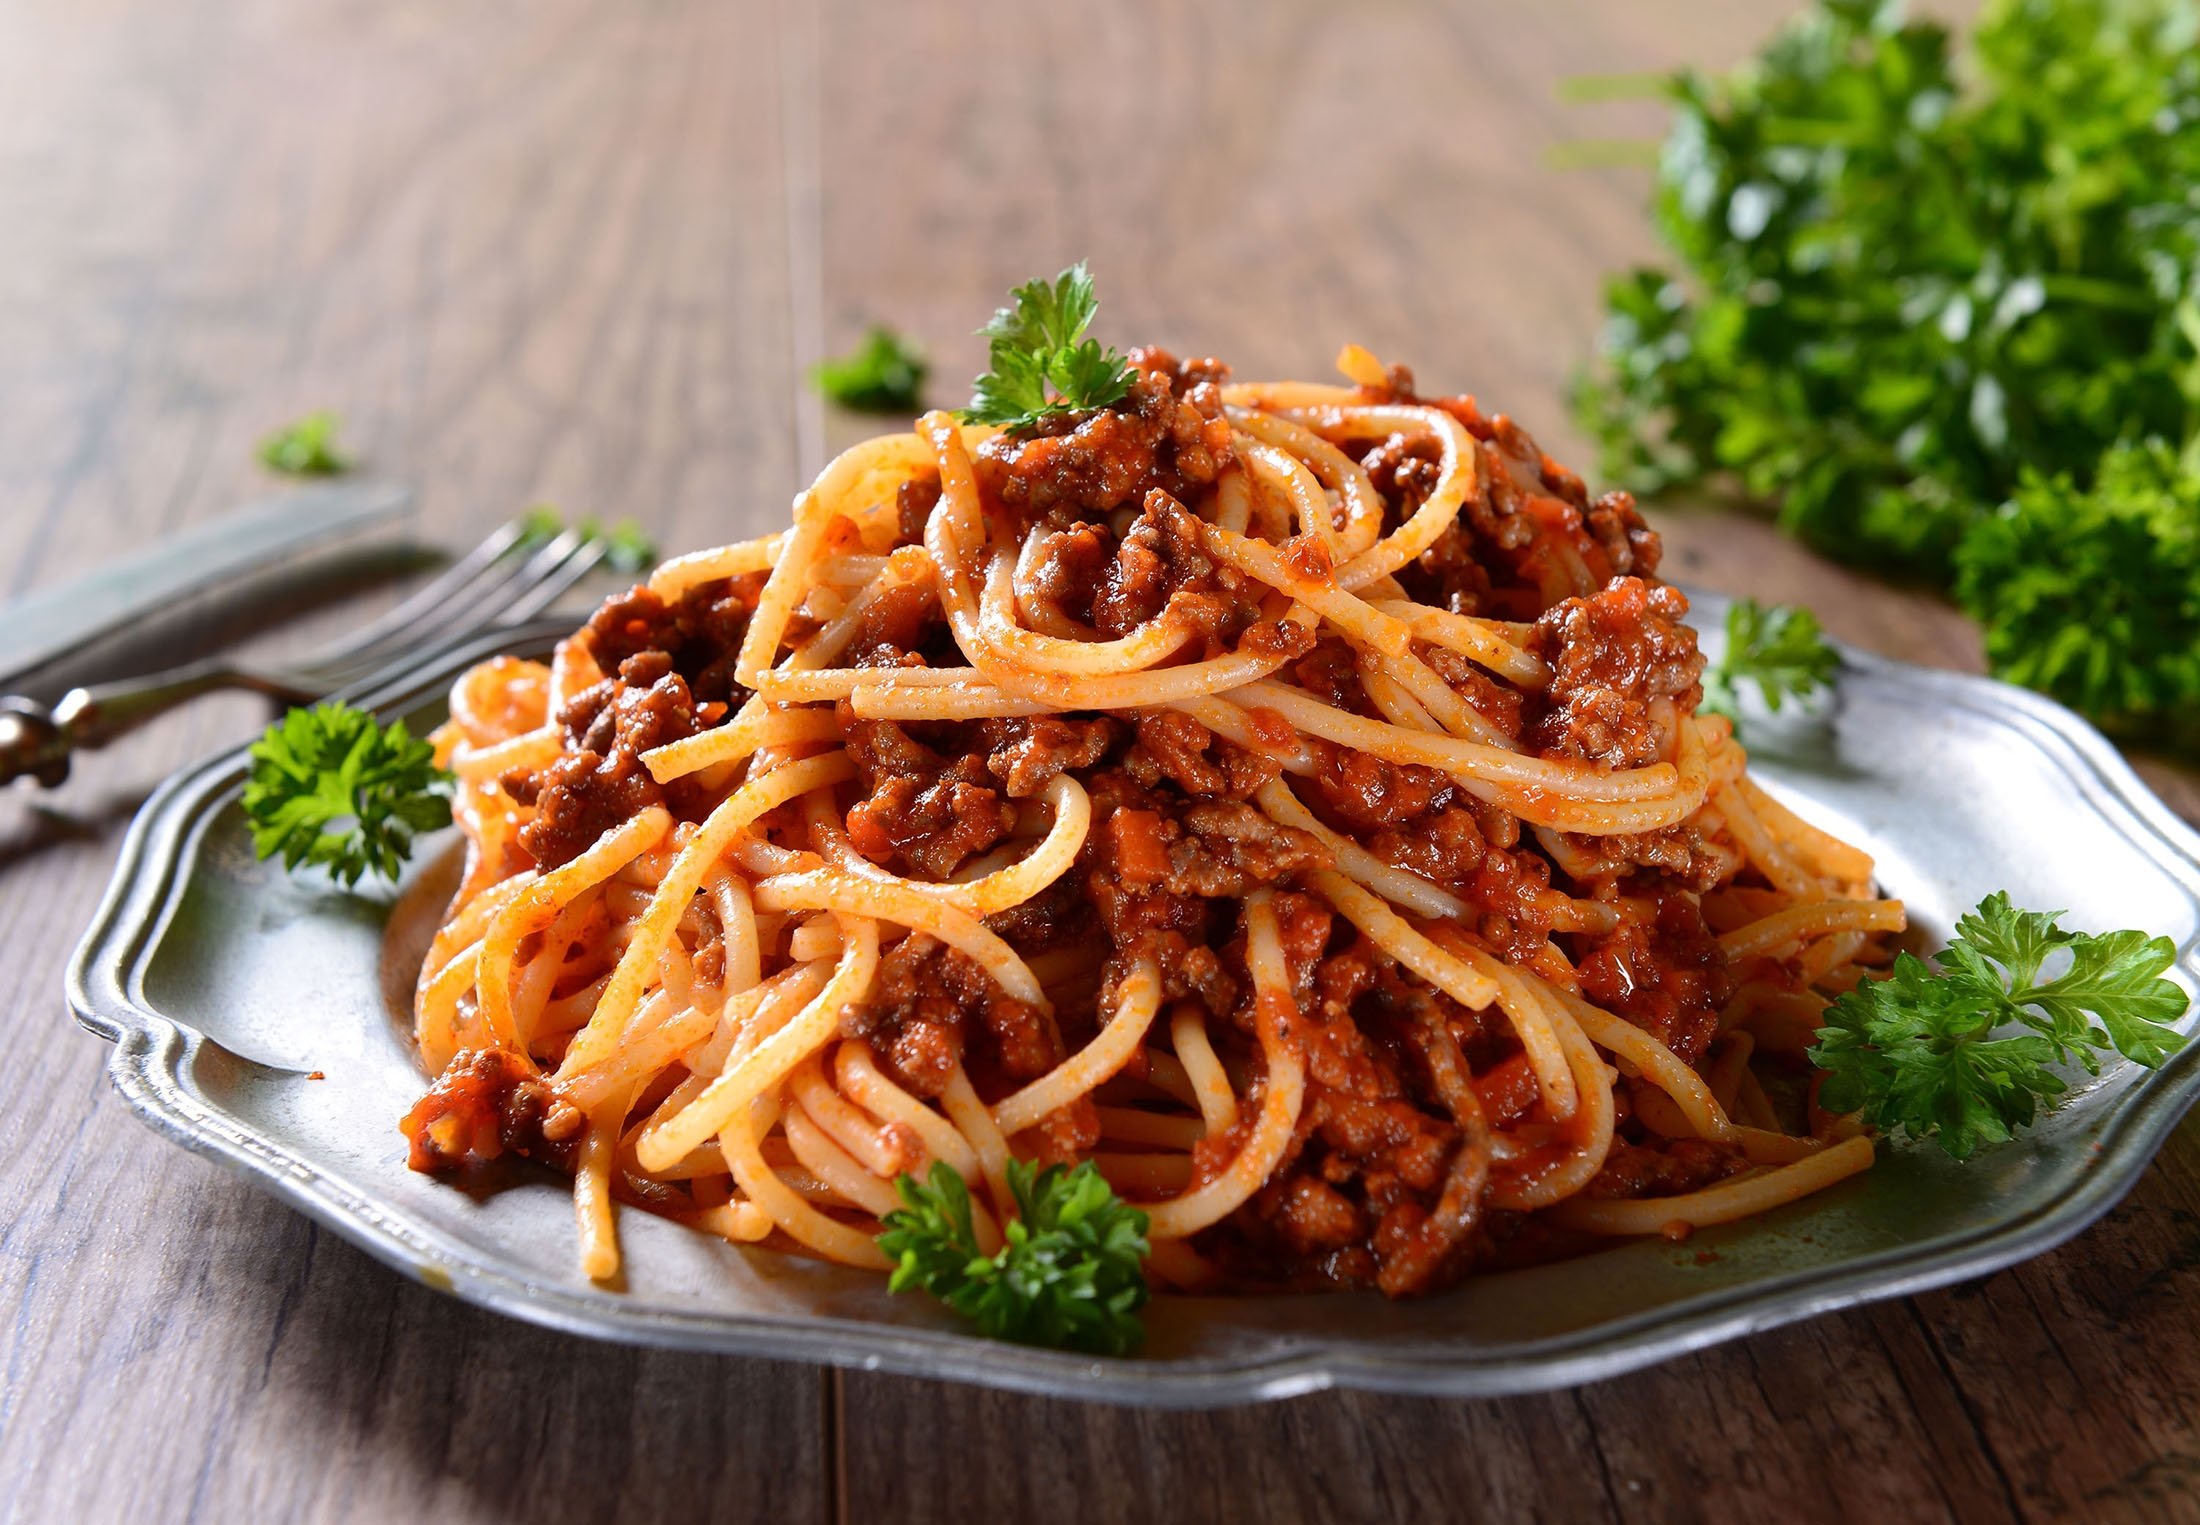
x=492 y=600
x=436 y=595
x=555 y=581
x=459 y=605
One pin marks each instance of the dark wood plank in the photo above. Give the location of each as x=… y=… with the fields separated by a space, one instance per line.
x=529 y=252
x=1265 y=184
x=582 y=252
x=184 y=1348
x=2079 y=1366
x=1798 y=1424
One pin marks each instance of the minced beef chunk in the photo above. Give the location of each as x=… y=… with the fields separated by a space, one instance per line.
x=487 y=1102
x=1213 y=850
x=1492 y=560
x=1667 y=976
x=1086 y=465
x=1689 y=855
x=1611 y=654
x=1071 y=563
x=1027 y=753
x=927 y=811
x=587 y=792
x=1630 y=545
x=1356 y=1201
x=1499 y=705
x=1089 y=574
x=1162 y=562
x=670 y=674
x=1360 y=790
x=931 y=1005
x=1172 y=746
x=701 y=633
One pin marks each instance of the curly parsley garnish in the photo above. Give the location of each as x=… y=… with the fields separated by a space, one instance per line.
x=332 y=788
x=306 y=448
x=1779 y=649
x=1071 y=1274
x=1961 y=1053
x=1042 y=363
x=2093 y=596
x=884 y=374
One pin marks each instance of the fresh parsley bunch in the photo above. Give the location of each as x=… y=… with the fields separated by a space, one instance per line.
x=1962 y=1054
x=1904 y=283
x=1041 y=361
x=1070 y=1275
x=332 y=788
x=1780 y=649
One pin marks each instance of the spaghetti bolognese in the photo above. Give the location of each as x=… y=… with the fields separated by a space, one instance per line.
x=1288 y=797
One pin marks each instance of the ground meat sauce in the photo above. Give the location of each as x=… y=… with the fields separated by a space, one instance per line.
x=700 y=633
x=486 y=1103
x=1610 y=655
x=671 y=675
x=587 y=792
x=1666 y=976
x=1175 y=843
x=923 y=811
x=916 y=1012
x=1383 y=1184
x=1169 y=434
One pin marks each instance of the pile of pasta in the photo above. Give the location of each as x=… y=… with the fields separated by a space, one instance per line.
x=681 y=993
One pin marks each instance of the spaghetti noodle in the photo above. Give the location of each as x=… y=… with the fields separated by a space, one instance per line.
x=1290 y=798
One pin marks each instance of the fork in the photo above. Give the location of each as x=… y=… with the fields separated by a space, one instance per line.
x=507 y=579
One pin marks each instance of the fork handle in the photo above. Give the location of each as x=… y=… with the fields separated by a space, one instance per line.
x=37 y=741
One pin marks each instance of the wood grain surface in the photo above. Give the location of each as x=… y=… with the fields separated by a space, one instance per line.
x=585 y=253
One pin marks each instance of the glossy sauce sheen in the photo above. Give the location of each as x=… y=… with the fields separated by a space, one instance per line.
x=1361 y=1199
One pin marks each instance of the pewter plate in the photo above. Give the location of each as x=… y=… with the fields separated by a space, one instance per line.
x=225 y=984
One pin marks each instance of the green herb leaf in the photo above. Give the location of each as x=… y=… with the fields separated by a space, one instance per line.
x=1908 y=283
x=540 y=525
x=629 y=548
x=1963 y=1054
x=2093 y=596
x=1041 y=362
x=329 y=787
x=1071 y=1274
x=306 y=448
x=884 y=374
x=1779 y=649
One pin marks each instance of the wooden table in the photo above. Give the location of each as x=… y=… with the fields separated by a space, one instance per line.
x=586 y=254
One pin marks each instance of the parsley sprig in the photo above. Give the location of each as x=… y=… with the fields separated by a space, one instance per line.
x=1042 y=363
x=2093 y=596
x=332 y=788
x=1905 y=277
x=306 y=448
x=1779 y=649
x=1070 y=1275
x=883 y=374
x=1962 y=1053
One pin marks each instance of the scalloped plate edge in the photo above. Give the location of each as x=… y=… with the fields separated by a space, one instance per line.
x=153 y=1051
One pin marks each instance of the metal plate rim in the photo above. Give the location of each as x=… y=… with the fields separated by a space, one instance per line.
x=152 y=1054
